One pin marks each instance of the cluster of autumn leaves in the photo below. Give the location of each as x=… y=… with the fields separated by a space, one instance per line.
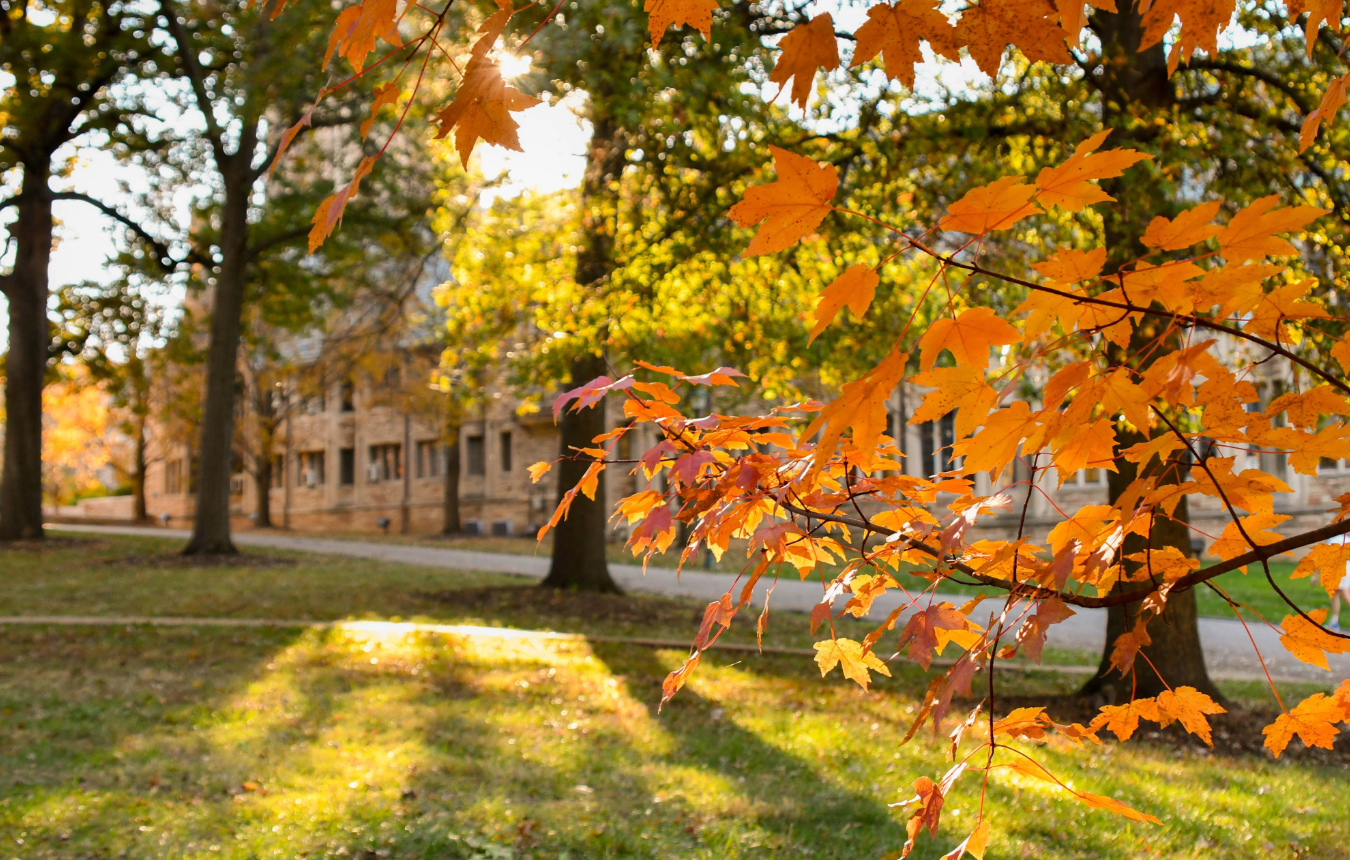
x=804 y=483
x=793 y=483
x=483 y=104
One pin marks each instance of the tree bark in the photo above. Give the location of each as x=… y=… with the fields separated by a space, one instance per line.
x=1135 y=91
x=452 y=524
x=262 y=507
x=26 y=363
x=578 y=560
x=211 y=528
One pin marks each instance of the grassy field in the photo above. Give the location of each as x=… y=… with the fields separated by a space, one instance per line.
x=1249 y=588
x=136 y=742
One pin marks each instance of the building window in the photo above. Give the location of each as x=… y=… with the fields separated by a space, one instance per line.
x=936 y=439
x=347 y=466
x=316 y=403
x=348 y=396
x=475 y=452
x=173 y=477
x=386 y=463
x=278 y=471
x=310 y=469
x=236 y=485
x=428 y=459
x=506 y=450
x=1087 y=478
x=1326 y=464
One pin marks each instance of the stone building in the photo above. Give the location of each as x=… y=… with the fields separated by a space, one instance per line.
x=347 y=460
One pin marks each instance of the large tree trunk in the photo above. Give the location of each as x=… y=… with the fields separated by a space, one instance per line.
x=26 y=364
x=211 y=529
x=1135 y=92
x=452 y=524
x=578 y=560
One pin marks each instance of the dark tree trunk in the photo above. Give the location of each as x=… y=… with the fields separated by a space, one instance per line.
x=138 y=474
x=1135 y=92
x=26 y=364
x=211 y=528
x=578 y=560
x=262 y=513
x=452 y=524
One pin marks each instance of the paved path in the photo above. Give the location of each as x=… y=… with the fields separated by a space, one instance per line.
x=1228 y=650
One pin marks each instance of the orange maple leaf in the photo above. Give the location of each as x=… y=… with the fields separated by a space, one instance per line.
x=996 y=206
x=329 y=213
x=968 y=337
x=895 y=31
x=1308 y=641
x=1069 y=185
x=1085 y=447
x=1319 y=11
x=1332 y=100
x=385 y=95
x=1029 y=24
x=1188 y=706
x=962 y=388
x=1329 y=561
x=808 y=47
x=860 y=407
x=1185 y=230
x=1251 y=233
x=1311 y=720
x=1123 y=720
x=482 y=109
x=854 y=289
x=1232 y=544
x=663 y=14
x=792 y=207
x=357 y=28
x=1201 y=23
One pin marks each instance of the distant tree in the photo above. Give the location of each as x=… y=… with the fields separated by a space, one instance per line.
x=66 y=61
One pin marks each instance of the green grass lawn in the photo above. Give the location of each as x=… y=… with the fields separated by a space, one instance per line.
x=1250 y=588
x=141 y=742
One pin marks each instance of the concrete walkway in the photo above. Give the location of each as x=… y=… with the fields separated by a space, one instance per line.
x=1228 y=650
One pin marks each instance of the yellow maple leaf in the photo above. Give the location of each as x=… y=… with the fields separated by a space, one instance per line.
x=808 y=47
x=851 y=659
x=994 y=447
x=538 y=469
x=996 y=206
x=854 y=289
x=1071 y=266
x=1069 y=185
x=1123 y=720
x=791 y=207
x=968 y=337
x=385 y=95
x=664 y=14
x=1281 y=304
x=895 y=31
